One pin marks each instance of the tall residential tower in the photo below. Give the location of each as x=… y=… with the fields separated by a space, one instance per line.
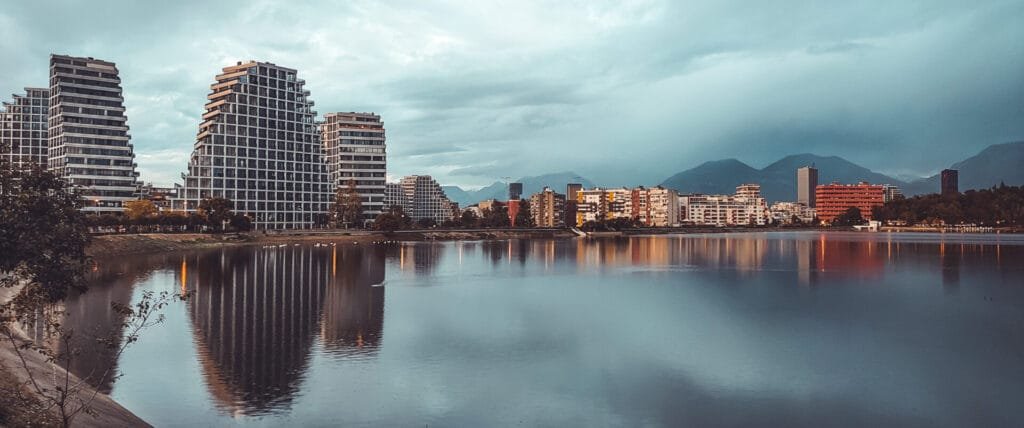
x=259 y=147
x=89 y=144
x=23 y=131
x=950 y=182
x=355 y=149
x=806 y=183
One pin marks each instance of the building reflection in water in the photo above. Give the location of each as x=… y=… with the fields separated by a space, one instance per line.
x=91 y=316
x=418 y=258
x=353 y=316
x=256 y=314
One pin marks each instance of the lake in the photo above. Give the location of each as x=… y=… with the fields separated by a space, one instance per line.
x=786 y=329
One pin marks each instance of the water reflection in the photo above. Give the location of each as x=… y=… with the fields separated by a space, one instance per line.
x=741 y=324
x=353 y=317
x=257 y=313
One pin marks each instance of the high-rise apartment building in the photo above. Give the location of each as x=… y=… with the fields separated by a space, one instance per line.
x=89 y=144
x=355 y=149
x=571 y=190
x=258 y=146
x=515 y=191
x=660 y=207
x=591 y=205
x=420 y=197
x=548 y=208
x=835 y=199
x=950 y=182
x=806 y=183
x=23 y=128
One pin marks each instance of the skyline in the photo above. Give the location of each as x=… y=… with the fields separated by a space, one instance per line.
x=470 y=99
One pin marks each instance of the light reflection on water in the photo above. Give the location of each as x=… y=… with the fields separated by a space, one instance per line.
x=800 y=328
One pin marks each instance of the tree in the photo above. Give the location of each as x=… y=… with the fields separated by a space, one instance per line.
x=139 y=209
x=43 y=234
x=348 y=206
x=391 y=220
x=216 y=211
x=241 y=222
x=524 y=218
x=495 y=217
x=469 y=219
x=426 y=223
x=851 y=217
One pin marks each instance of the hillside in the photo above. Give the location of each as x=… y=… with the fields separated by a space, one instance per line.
x=998 y=163
x=778 y=180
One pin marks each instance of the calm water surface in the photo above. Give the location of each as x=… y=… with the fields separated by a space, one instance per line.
x=788 y=329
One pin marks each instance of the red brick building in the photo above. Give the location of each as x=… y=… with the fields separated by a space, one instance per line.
x=834 y=199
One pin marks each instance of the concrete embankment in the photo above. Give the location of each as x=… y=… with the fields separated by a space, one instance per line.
x=16 y=367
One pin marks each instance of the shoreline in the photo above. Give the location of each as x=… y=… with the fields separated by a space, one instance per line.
x=148 y=243
x=108 y=412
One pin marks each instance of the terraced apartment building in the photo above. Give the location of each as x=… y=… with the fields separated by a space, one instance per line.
x=258 y=145
x=88 y=141
x=23 y=129
x=355 y=149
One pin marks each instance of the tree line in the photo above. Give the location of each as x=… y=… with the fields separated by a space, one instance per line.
x=999 y=206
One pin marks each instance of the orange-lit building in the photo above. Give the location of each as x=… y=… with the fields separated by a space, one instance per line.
x=834 y=199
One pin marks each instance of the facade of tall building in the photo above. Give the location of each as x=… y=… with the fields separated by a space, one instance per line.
x=835 y=199
x=88 y=141
x=355 y=149
x=571 y=190
x=950 y=182
x=23 y=128
x=259 y=147
x=891 y=193
x=745 y=208
x=806 y=183
x=394 y=196
x=548 y=208
x=591 y=205
x=515 y=191
x=420 y=197
x=656 y=207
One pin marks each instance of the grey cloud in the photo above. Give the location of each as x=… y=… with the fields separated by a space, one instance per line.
x=628 y=92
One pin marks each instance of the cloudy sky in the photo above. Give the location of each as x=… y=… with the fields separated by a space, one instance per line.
x=623 y=92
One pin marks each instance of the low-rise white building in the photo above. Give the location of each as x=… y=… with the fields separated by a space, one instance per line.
x=785 y=212
x=746 y=207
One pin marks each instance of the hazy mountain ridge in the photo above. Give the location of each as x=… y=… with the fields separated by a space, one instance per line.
x=499 y=190
x=999 y=163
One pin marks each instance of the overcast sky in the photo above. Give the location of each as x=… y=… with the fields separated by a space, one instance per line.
x=622 y=92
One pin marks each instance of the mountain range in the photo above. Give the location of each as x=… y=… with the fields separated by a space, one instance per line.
x=999 y=163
